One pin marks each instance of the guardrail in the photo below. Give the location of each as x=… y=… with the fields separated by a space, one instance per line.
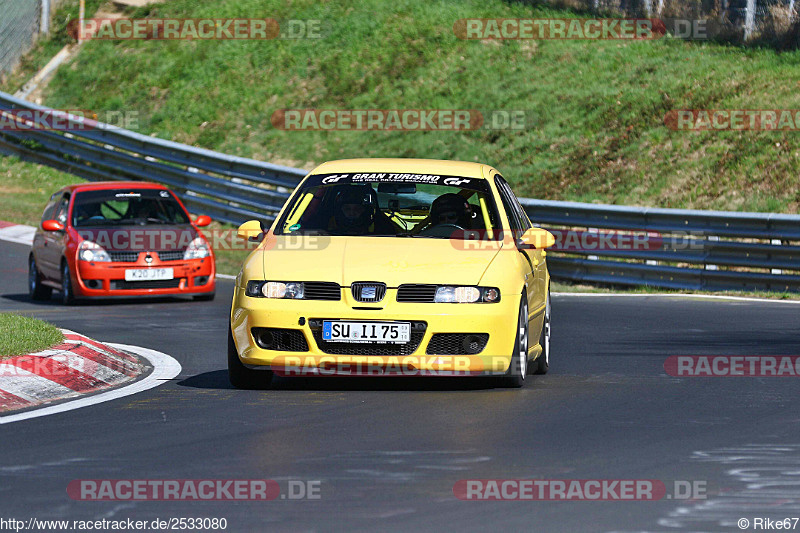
x=682 y=249
x=677 y=248
x=228 y=188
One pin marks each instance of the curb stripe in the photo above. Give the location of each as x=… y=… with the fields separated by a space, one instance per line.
x=11 y=401
x=18 y=233
x=95 y=370
x=34 y=389
x=56 y=371
x=123 y=367
x=100 y=347
x=85 y=365
x=164 y=368
x=78 y=366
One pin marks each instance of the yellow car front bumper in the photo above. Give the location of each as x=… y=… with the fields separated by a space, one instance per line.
x=498 y=320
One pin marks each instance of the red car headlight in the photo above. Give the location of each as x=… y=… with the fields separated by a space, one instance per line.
x=197 y=249
x=92 y=252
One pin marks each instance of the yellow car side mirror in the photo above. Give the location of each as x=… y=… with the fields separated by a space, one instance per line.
x=250 y=230
x=536 y=238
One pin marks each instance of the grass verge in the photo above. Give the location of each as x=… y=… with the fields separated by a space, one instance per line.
x=596 y=108
x=26 y=187
x=21 y=335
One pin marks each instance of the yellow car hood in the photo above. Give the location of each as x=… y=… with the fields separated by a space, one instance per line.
x=392 y=260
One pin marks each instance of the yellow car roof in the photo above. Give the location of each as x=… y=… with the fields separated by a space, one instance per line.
x=411 y=166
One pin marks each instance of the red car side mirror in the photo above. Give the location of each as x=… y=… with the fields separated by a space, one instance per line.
x=202 y=221
x=52 y=225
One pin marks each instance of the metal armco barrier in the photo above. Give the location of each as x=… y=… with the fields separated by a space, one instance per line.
x=228 y=188
x=685 y=249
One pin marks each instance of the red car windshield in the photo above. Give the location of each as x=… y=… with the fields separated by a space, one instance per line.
x=116 y=207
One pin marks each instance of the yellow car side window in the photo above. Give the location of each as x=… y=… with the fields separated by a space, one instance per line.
x=486 y=219
x=294 y=217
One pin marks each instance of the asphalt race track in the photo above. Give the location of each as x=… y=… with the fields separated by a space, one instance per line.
x=387 y=452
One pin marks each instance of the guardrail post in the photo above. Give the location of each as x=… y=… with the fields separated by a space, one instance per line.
x=44 y=26
x=81 y=17
x=707 y=266
x=776 y=270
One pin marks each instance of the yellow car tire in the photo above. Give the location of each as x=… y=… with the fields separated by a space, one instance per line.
x=542 y=363
x=515 y=376
x=242 y=377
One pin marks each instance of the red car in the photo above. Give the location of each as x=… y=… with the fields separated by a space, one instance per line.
x=109 y=239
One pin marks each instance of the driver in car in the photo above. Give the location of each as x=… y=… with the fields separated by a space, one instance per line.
x=87 y=213
x=451 y=209
x=356 y=213
x=148 y=211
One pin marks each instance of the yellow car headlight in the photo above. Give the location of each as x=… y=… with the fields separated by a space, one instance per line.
x=275 y=289
x=451 y=294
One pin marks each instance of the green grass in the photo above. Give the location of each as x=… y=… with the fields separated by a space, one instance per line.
x=598 y=132
x=21 y=335
x=26 y=187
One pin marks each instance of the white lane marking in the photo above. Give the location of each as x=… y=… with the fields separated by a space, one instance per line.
x=164 y=368
x=225 y=276
x=20 y=234
x=32 y=387
x=679 y=295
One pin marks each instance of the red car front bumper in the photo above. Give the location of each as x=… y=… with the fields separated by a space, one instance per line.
x=102 y=280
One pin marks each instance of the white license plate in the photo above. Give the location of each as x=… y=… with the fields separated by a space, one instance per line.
x=378 y=332
x=148 y=274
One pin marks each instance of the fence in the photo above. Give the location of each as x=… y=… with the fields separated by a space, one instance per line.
x=695 y=249
x=766 y=21
x=19 y=24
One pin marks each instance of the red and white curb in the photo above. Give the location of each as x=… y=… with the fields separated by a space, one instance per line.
x=73 y=369
x=18 y=233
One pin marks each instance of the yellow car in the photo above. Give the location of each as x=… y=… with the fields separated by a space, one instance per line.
x=393 y=267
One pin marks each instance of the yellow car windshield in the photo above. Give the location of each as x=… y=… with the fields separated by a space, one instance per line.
x=403 y=205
